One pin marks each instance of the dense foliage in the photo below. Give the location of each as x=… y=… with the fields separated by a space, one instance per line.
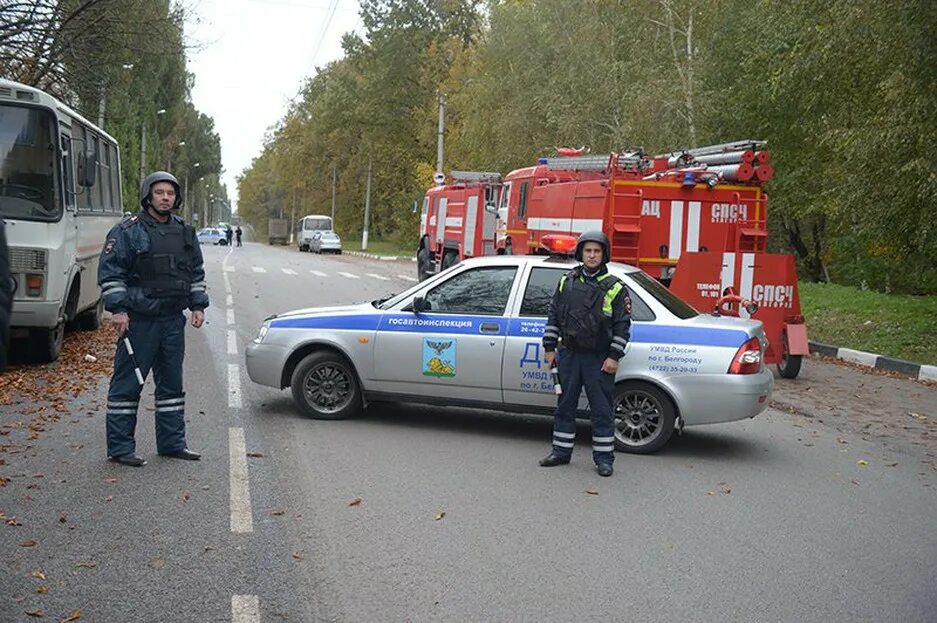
x=843 y=92
x=120 y=63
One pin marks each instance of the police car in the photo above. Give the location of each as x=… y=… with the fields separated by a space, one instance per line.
x=470 y=336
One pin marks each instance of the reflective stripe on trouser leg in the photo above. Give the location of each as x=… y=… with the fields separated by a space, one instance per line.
x=123 y=394
x=564 y=419
x=600 y=387
x=167 y=374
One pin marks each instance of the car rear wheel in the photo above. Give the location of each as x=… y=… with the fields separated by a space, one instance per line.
x=325 y=387
x=644 y=418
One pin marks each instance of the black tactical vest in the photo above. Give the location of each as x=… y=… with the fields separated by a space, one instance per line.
x=166 y=269
x=584 y=326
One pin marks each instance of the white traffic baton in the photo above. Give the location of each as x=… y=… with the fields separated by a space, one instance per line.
x=136 y=367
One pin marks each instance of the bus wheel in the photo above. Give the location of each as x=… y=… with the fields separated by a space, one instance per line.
x=90 y=319
x=46 y=344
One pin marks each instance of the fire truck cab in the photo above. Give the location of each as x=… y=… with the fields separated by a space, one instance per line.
x=458 y=220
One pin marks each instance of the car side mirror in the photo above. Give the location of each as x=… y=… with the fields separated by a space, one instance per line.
x=420 y=304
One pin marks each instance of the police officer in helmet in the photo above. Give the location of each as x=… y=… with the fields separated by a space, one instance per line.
x=588 y=327
x=151 y=270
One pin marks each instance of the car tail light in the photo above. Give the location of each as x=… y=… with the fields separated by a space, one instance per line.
x=748 y=358
x=34 y=285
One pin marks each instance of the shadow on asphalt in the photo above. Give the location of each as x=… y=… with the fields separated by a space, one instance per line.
x=693 y=443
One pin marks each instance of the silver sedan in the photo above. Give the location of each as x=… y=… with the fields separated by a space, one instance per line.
x=470 y=336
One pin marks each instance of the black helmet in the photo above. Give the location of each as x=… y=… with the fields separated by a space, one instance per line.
x=593 y=236
x=147 y=186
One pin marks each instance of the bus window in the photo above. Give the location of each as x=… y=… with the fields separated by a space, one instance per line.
x=68 y=169
x=27 y=165
x=104 y=177
x=118 y=201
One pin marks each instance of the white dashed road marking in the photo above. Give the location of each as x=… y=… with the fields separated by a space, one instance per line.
x=258 y=269
x=232 y=342
x=289 y=271
x=229 y=300
x=230 y=316
x=245 y=609
x=241 y=515
x=376 y=276
x=407 y=277
x=319 y=273
x=229 y=269
x=349 y=276
x=234 y=386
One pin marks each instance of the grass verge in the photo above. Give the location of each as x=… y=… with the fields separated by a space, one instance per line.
x=899 y=326
x=382 y=247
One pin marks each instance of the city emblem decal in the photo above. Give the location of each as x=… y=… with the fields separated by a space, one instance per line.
x=439 y=356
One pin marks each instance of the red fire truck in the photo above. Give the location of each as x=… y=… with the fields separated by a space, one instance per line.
x=695 y=219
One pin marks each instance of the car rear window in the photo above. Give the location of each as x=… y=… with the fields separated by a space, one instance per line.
x=665 y=297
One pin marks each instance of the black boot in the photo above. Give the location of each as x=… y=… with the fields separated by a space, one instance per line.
x=604 y=469
x=553 y=459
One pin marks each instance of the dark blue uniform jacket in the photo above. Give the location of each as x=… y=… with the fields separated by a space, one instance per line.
x=118 y=272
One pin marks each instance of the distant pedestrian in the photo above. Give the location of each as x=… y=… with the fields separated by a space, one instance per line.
x=6 y=296
x=238 y=233
x=228 y=234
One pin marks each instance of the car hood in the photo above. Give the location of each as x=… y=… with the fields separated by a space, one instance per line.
x=338 y=310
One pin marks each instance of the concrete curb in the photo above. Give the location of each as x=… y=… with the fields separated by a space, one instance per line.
x=375 y=256
x=872 y=360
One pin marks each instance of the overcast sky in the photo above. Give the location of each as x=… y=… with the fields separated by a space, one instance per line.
x=250 y=57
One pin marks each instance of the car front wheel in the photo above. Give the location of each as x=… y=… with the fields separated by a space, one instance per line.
x=644 y=418
x=325 y=386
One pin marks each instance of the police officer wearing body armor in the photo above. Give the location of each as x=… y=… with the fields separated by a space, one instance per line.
x=151 y=270
x=587 y=330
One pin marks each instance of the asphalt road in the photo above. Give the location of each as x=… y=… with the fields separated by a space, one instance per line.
x=787 y=517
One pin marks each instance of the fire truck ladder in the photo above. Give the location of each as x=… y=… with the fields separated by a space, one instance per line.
x=596 y=162
x=474 y=176
x=625 y=219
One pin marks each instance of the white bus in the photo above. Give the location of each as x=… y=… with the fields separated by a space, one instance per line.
x=59 y=196
x=307 y=226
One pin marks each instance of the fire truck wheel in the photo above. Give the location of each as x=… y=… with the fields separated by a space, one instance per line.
x=644 y=417
x=422 y=260
x=451 y=258
x=789 y=366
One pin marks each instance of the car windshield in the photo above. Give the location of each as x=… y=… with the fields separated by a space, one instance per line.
x=665 y=297
x=27 y=165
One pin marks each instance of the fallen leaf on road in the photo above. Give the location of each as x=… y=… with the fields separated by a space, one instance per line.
x=726 y=491
x=42 y=590
x=38 y=575
x=255 y=455
x=277 y=513
x=109 y=498
x=710 y=493
x=862 y=462
x=110 y=480
x=63 y=518
x=439 y=515
x=38 y=613
x=185 y=497
x=854 y=482
x=840 y=440
x=74 y=616
x=87 y=564
x=891 y=464
x=592 y=492
x=28 y=544
x=356 y=502
x=298 y=555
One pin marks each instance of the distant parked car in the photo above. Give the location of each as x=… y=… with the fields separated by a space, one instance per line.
x=211 y=235
x=326 y=242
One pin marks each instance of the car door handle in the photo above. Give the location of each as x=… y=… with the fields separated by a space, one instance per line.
x=490 y=327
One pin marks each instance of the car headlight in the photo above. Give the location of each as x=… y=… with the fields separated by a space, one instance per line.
x=262 y=333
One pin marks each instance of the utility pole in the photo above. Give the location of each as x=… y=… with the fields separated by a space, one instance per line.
x=333 y=195
x=367 y=209
x=441 y=133
x=142 y=153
